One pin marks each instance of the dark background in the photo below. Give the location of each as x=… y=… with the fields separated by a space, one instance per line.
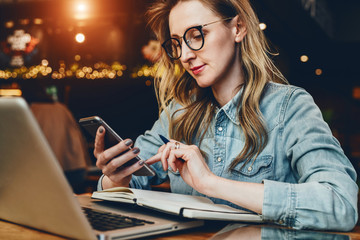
x=327 y=31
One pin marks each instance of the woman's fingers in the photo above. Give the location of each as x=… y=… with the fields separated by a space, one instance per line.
x=154 y=159
x=104 y=157
x=166 y=153
x=117 y=162
x=171 y=161
x=99 y=141
x=119 y=174
x=176 y=157
x=112 y=160
x=164 y=157
x=161 y=148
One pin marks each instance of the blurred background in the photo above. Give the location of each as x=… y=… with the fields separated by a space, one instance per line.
x=97 y=57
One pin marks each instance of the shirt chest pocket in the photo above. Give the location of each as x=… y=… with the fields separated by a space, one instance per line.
x=255 y=171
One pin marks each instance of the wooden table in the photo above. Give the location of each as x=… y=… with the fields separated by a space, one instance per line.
x=12 y=231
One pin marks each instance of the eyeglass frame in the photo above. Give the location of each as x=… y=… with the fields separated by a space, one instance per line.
x=199 y=28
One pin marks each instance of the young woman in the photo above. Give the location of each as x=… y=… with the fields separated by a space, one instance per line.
x=240 y=134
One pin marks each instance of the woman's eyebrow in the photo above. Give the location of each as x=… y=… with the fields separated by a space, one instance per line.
x=191 y=26
x=174 y=35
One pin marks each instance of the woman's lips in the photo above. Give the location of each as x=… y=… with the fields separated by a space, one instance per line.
x=198 y=69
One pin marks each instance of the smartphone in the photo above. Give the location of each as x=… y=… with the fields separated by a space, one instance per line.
x=91 y=125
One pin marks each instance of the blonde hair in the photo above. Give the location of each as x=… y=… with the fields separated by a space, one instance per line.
x=195 y=116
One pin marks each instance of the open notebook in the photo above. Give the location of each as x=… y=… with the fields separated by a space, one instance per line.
x=177 y=204
x=34 y=192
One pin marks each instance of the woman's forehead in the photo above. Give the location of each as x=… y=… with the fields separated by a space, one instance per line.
x=187 y=14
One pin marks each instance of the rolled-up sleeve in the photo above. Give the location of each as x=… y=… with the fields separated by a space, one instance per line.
x=149 y=144
x=325 y=195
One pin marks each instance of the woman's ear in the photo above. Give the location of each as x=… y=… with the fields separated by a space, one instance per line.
x=239 y=29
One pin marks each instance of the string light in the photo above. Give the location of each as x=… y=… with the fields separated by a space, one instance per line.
x=144 y=71
x=44 y=62
x=100 y=70
x=77 y=57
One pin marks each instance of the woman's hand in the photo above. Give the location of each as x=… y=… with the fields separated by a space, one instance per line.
x=188 y=160
x=195 y=172
x=110 y=161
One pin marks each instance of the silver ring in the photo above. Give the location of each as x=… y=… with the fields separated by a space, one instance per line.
x=177 y=145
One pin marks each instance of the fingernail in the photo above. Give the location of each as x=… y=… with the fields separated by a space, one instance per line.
x=136 y=150
x=101 y=129
x=128 y=142
x=141 y=162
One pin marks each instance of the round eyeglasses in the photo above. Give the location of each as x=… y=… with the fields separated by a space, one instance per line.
x=193 y=38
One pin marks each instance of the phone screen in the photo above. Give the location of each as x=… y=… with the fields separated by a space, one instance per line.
x=91 y=125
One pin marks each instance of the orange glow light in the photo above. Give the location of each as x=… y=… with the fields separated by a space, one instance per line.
x=9 y=24
x=80 y=38
x=81 y=10
x=81 y=7
x=10 y=92
x=38 y=21
x=318 y=71
x=356 y=92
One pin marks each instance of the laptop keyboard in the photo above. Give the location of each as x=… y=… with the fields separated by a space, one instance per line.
x=106 y=221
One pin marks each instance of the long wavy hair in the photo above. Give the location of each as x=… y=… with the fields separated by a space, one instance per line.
x=194 y=118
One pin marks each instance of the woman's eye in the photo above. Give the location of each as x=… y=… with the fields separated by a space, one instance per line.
x=196 y=37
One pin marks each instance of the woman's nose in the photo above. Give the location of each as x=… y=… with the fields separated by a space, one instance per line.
x=186 y=53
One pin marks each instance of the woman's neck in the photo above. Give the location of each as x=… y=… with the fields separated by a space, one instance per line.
x=224 y=92
x=231 y=81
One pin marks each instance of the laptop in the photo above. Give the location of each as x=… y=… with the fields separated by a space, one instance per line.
x=35 y=193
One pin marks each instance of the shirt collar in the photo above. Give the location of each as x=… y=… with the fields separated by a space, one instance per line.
x=231 y=108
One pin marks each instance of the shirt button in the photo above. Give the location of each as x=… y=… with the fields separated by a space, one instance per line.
x=281 y=221
x=220 y=129
x=249 y=169
x=219 y=159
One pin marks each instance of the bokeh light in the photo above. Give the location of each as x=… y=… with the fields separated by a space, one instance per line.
x=262 y=26
x=80 y=37
x=304 y=58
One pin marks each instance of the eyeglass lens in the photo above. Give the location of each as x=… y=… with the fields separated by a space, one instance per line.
x=173 y=48
x=193 y=38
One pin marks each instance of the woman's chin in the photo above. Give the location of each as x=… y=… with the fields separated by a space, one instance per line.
x=203 y=84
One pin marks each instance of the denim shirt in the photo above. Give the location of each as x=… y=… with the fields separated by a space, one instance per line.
x=308 y=181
